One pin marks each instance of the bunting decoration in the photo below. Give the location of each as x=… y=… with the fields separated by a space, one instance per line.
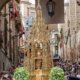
x=14 y=10
x=21 y=34
x=22 y=28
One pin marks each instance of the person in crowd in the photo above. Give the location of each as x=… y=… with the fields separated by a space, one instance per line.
x=78 y=73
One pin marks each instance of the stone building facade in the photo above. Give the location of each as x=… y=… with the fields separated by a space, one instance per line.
x=10 y=31
x=71 y=30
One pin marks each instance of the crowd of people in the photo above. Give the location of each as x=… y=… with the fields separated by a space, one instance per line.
x=71 y=69
x=7 y=75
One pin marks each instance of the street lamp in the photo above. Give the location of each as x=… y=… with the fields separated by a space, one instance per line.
x=78 y=2
x=50 y=7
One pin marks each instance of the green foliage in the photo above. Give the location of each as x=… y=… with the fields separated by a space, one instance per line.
x=21 y=74
x=56 y=73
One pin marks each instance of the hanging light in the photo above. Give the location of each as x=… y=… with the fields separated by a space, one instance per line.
x=78 y=3
x=50 y=7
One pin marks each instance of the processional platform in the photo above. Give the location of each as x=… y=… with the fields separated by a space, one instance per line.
x=39 y=75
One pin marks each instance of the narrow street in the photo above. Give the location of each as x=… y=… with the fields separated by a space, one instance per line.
x=39 y=39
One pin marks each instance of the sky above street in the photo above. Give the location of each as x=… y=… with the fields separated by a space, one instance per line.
x=66 y=1
x=33 y=1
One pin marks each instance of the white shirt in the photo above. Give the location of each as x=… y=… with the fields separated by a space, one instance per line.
x=78 y=76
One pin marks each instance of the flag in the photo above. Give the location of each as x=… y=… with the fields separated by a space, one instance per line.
x=15 y=9
x=61 y=38
x=61 y=32
x=22 y=29
x=61 y=44
x=68 y=35
x=21 y=34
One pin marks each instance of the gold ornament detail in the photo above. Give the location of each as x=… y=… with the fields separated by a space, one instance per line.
x=38 y=52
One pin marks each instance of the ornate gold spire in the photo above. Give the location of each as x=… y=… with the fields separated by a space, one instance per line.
x=39 y=4
x=39 y=19
x=38 y=42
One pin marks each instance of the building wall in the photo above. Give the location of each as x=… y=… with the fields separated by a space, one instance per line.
x=28 y=14
x=9 y=51
x=72 y=20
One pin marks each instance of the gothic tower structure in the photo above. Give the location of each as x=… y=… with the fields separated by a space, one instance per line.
x=38 y=51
